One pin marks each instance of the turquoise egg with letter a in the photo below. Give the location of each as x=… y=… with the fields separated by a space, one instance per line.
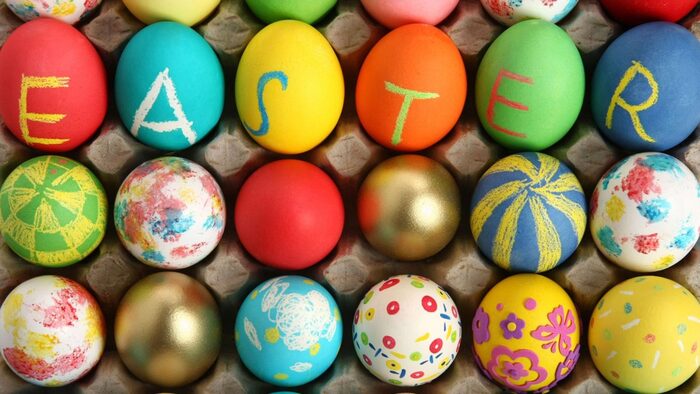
x=288 y=331
x=528 y=212
x=169 y=86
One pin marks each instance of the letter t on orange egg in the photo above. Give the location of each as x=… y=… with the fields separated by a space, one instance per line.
x=495 y=97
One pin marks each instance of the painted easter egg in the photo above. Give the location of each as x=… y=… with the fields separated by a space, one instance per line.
x=289 y=214
x=407 y=331
x=643 y=335
x=169 y=86
x=301 y=10
x=645 y=212
x=523 y=98
x=510 y=12
x=69 y=11
x=528 y=212
x=409 y=207
x=526 y=333
x=53 y=332
x=53 y=211
x=167 y=329
x=170 y=213
x=289 y=64
x=411 y=88
x=288 y=331
x=53 y=86
x=187 y=12
x=646 y=87
x=634 y=12
x=395 y=13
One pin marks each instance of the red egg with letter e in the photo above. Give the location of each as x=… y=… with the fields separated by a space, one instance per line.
x=289 y=214
x=53 y=85
x=411 y=88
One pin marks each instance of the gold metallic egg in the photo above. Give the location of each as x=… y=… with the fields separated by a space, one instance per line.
x=168 y=329
x=409 y=207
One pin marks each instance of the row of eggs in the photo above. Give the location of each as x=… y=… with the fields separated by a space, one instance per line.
x=411 y=89
x=406 y=331
x=170 y=212
x=391 y=13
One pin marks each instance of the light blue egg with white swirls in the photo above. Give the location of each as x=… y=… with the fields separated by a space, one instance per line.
x=288 y=331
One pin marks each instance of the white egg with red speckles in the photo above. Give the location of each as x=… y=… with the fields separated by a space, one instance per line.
x=52 y=331
x=407 y=331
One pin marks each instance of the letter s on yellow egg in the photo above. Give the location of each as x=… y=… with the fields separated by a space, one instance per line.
x=289 y=87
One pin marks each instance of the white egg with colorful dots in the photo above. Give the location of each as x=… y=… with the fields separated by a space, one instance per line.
x=643 y=335
x=510 y=12
x=645 y=212
x=52 y=331
x=68 y=11
x=407 y=331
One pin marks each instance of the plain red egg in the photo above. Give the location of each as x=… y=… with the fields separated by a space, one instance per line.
x=634 y=12
x=53 y=85
x=289 y=214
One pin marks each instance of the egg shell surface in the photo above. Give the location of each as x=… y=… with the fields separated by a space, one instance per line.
x=395 y=13
x=187 y=12
x=289 y=65
x=645 y=92
x=643 y=335
x=510 y=12
x=53 y=86
x=169 y=86
x=53 y=211
x=526 y=333
x=528 y=212
x=645 y=212
x=302 y=10
x=634 y=12
x=289 y=214
x=523 y=99
x=68 y=11
x=170 y=213
x=407 y=330
x=288 y=331
x=411 y=88
x=53 y=331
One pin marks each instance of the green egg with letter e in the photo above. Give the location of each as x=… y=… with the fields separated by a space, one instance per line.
x=530 y=86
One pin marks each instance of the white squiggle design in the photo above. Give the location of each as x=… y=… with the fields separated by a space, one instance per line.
x=251 y=333
x=302 y=320
x=273 y=295
x=301 y=367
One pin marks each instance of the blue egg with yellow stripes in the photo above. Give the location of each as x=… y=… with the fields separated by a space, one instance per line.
x=528 y=212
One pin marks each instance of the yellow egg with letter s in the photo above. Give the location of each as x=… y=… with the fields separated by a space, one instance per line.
x=289 y=87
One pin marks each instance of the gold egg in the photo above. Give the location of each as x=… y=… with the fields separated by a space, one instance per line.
x=168 y=329
x=409 y=207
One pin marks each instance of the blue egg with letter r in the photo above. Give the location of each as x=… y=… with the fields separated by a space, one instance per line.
x=645 y=94
x=169 y=86
x=288 y=331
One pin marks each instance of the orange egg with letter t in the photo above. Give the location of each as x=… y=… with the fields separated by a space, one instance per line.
x=53 y=85
x=411 y=88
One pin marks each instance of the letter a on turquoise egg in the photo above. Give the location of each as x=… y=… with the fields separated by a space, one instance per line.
x=169 y=86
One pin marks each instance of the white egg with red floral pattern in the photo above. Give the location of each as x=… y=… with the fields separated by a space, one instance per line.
x=407 y=331
x=510 y=12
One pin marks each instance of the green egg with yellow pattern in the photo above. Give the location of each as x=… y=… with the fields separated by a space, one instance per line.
x=53 y=211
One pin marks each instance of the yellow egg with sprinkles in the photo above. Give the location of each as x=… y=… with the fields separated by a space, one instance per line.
x=643 y=335
x=289 y=87
x=526 y=333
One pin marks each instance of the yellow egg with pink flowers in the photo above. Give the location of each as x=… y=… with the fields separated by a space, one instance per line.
x=526 y=333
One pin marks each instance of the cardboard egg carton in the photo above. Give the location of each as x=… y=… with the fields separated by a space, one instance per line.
x=347 y=155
